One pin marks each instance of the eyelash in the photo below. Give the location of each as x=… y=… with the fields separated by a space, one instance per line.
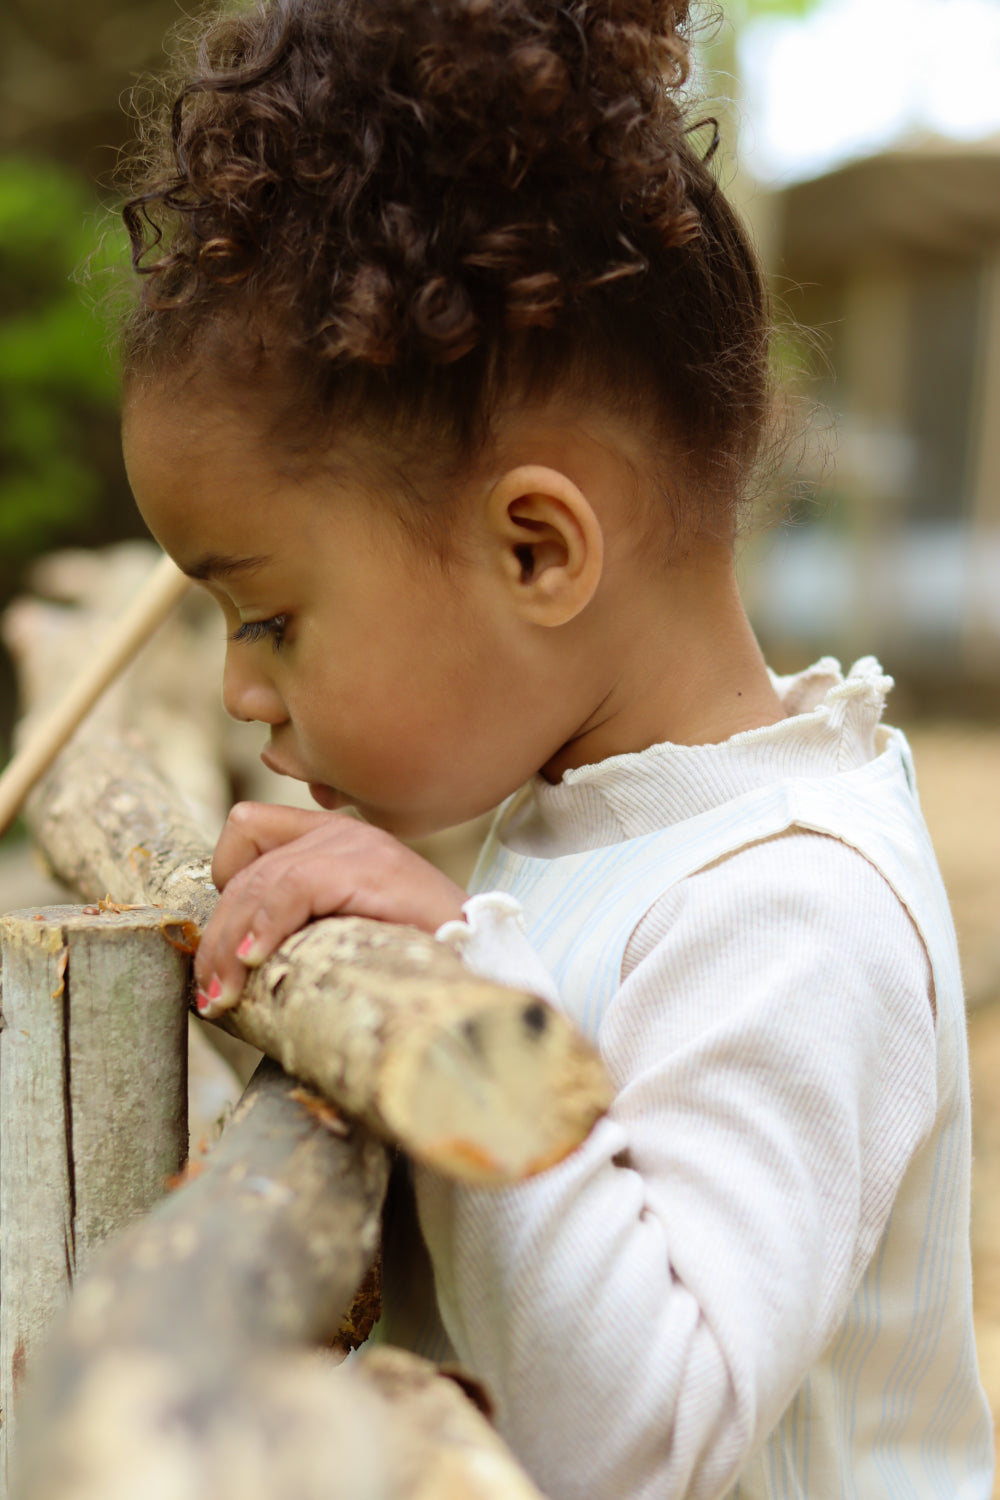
x=260 y=630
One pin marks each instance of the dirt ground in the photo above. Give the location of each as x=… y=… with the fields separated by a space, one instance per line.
x=958 y=771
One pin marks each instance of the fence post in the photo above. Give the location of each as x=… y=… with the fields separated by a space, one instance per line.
x=93 y=1105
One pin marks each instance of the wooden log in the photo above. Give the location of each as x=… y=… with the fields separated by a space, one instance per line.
x=287 y=1427
x=173 y=1372
x=159 y=1371
x=157 y=599
x=110 y=823
x=262 y=1244
x=93 y=1104
x=443 y=1446
x=481 y=1082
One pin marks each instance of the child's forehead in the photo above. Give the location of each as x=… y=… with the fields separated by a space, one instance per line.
x=205 y=467
x=200 y=435
x=200 y=425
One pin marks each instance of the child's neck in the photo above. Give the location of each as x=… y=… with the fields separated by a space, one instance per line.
x=688 y=670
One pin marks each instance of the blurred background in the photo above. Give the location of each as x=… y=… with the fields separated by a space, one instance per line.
x=862 y=140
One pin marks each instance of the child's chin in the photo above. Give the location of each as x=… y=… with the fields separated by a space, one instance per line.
x=326 y=797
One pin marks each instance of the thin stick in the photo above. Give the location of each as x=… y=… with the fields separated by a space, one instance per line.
x=154 y=602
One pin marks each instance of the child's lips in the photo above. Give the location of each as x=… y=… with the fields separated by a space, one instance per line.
x=274 y=764
x=327 y=796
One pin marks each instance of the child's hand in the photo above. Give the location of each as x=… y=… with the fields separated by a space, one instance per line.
x=278 y=867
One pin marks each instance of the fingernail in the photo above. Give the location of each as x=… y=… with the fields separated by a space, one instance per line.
x=217 y=998
x=246 y=948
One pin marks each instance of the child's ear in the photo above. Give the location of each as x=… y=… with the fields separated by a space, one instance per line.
x=547 y=542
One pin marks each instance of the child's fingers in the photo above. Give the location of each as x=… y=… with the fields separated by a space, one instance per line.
x=338 y=866
x=262 y=905
x=255 y=828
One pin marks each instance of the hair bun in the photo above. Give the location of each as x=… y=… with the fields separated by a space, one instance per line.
x=534 y=79
x=419 y=161
x=398 y=203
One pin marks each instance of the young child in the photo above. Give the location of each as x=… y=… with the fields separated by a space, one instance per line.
x=447 y=378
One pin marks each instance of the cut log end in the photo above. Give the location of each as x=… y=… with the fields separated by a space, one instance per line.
x=521 y=1084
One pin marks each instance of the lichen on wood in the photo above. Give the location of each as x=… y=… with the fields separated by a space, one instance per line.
x=481 y=1082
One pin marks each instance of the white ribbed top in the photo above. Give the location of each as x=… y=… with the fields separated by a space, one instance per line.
x=645 y=1313
x=831 y=728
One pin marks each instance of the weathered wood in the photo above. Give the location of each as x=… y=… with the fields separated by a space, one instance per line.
x=263 y=1243
x=156 y=1370
x=93 y=1104
x=482 y=1082
x=110 y=823
x=287 y=1427
x=173 y=1373
x=155 y=601
x=443 y=1447
x=36 y=1211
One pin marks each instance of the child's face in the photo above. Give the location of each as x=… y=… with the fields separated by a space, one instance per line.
x=389 y=682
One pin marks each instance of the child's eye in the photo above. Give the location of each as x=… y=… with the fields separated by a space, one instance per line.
x=260 y=630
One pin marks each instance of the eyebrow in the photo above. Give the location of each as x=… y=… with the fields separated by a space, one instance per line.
x=223 y=565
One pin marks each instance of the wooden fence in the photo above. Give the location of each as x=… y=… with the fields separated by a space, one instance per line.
x=188 y=1360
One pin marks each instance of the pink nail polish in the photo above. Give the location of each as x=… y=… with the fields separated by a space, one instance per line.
x=215 y=988
x=247 y=946
x=202 y=1001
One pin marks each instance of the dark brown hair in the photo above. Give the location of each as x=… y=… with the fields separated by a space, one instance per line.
x=409 y=211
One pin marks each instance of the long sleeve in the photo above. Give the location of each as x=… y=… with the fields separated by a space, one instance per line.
x=644 y=1312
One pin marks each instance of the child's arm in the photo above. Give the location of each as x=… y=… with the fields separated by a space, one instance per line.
x=644 y=1312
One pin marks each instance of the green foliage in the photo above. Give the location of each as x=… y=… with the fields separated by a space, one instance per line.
x=57 y=383
x=752 y=10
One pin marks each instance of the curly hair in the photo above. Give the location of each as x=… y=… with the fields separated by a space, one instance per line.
x=411 y=209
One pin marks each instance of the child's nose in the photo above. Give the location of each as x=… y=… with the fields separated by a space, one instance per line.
x=248 y=695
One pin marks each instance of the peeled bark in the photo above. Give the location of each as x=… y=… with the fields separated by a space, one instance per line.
x=481 y=1082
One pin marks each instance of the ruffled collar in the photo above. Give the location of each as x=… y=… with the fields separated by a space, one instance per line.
x=831 y=726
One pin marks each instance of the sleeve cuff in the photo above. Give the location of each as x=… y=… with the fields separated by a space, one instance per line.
x=492 y=943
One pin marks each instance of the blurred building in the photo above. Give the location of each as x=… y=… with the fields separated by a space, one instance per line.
x=894 y=262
